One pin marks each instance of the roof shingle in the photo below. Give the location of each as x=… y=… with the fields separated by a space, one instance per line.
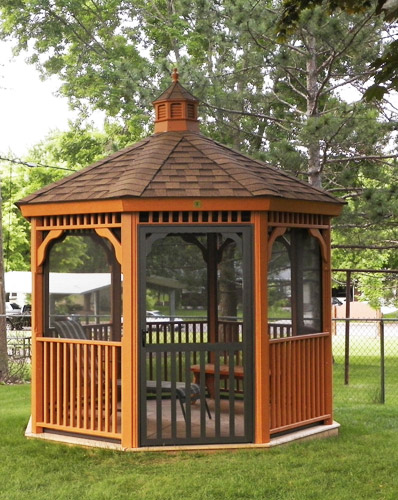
x=177 y=164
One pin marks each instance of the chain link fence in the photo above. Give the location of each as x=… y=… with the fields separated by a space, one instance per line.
x=365 y=361
x=19 y=349
x=19 y=345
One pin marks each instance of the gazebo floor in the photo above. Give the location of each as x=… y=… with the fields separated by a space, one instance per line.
x=181 y=427
x=314 y=432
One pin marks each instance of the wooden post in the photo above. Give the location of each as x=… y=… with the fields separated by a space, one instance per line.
x=37 y=330
x=261 y=340
x=130 y=341
x=327 y=324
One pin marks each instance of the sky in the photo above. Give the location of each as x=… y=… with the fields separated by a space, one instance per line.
x=29 y=108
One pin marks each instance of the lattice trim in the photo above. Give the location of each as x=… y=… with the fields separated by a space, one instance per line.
x=215 y=217
x=80 y=221
x=289 y=219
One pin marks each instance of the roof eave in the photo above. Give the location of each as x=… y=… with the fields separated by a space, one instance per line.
x=138 y=204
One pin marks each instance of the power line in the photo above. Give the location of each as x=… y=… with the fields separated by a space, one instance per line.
x=34 y=165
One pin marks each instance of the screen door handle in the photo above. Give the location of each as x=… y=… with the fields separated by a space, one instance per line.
x=143 y=337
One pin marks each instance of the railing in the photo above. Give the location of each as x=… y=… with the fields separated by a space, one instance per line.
x=182 y=370
x=98 y=331
x=80 y=386
x=280 y=330
x=19 y=347
x=191 y=332
x=298 y=381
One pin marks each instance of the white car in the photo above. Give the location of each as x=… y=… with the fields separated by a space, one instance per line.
x=157 y=317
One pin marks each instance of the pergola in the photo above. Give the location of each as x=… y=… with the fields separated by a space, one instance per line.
x=249 y=356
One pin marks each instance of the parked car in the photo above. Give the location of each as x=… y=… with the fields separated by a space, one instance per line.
x=17 y=318
x=157 y=316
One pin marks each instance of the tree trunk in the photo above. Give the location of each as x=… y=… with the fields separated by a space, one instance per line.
x=227 y=284
x=3 y=329
x=314 y=158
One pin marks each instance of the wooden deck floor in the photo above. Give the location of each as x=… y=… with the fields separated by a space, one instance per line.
x=210 y=424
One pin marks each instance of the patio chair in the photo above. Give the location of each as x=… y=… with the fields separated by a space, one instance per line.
x=165 y=387
x=70 y=329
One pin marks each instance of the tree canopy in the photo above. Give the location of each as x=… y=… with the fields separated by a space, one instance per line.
x=385 y=66
x=295 y=102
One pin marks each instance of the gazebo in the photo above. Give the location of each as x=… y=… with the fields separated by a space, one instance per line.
x=247 y=358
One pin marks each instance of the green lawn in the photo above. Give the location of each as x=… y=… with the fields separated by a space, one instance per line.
x=360 y=464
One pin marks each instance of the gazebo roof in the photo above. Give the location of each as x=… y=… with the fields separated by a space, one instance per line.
x=177 y=164
x=180 y=163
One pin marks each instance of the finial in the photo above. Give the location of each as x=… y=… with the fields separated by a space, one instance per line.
x=175 y=75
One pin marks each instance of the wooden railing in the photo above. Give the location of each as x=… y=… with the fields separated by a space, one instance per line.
x=102 y=331
x=80 y=386
x=298 y=381
x=280 y=330
x=79 y=382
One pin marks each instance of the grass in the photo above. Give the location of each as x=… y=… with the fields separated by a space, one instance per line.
x=359 y=464
x=365 y=371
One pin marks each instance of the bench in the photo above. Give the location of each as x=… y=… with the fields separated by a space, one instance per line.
x=210 y=374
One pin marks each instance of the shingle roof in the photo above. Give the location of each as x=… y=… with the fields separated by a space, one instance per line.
x=176 y=91
x=178 y=164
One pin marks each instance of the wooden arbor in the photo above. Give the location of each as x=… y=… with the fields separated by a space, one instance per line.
x=118 y=375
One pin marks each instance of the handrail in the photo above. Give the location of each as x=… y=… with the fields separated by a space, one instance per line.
x=304 y=336
x=79 y=341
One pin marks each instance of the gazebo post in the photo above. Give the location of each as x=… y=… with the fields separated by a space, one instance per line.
x=37 y=330
x=130 y=341
x=261 y=339
x=327 y=323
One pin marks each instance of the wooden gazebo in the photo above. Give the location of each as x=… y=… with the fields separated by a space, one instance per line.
x=246 y=356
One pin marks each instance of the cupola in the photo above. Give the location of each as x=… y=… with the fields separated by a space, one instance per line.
x=176 y=110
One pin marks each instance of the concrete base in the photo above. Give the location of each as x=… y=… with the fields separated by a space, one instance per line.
x=315 y=432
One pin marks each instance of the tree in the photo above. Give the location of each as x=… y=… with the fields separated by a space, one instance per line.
x=3 y=329
x=279 y=101
x=385 y=66
x=259 y=96
x=308 y=71
x=52 y=159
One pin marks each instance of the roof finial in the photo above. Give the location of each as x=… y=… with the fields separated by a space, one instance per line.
x=175 y=75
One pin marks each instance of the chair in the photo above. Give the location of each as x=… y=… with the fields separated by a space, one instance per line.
x=194 y=396
x=165 y=387
x=70 y=329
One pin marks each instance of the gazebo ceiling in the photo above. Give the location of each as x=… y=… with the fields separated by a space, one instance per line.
x=179 y=163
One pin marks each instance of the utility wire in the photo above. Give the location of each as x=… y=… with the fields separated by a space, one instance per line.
x=34 y=165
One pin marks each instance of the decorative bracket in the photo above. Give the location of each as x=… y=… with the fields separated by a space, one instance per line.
x=107 y=233
x=324 y=249
x=42 y=250
x=278 y=231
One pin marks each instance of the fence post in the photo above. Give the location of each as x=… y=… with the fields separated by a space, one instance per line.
x=347 y=329
x=382 y=365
